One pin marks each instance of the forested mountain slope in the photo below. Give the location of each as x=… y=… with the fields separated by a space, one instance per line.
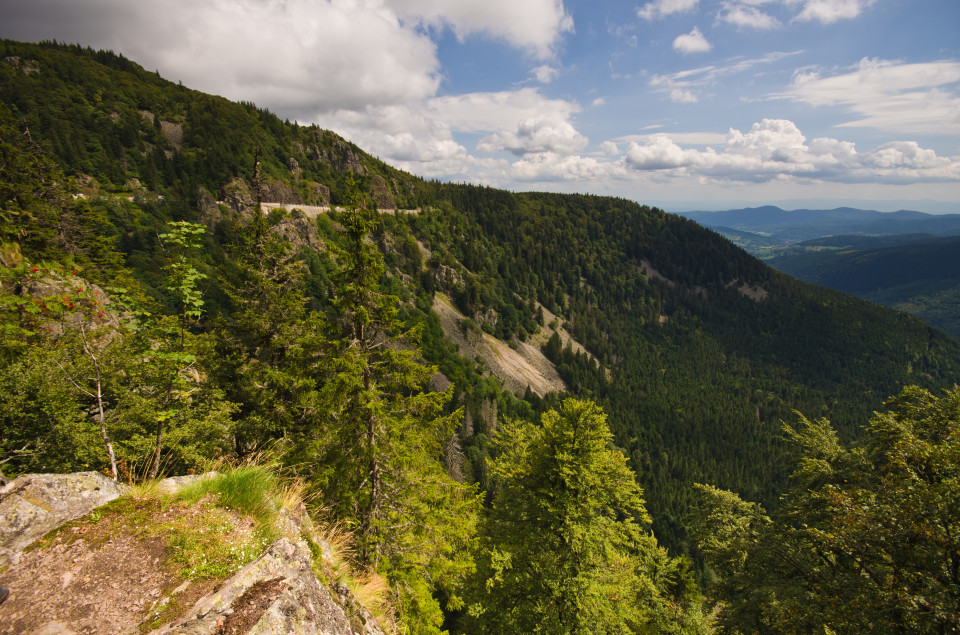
x=918 y=274
x=696 y=350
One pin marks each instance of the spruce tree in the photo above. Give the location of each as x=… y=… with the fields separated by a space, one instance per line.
x=379 y=455
x=565 y=548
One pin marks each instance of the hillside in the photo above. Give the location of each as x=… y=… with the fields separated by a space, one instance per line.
x=272 y=288
x=917 y=274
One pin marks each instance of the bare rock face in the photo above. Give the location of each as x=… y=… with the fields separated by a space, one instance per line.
x=279 y=192
x=34 y=504
x=381 y=193
x=277 y=593
x=236 y=194
x=210 y=212
x=300 y=230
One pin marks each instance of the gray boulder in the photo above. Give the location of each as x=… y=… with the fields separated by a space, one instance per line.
x=296 y=602
x=34 y=504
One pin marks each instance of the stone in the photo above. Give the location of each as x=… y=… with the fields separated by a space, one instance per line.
x=305 y=606
x=34 y=504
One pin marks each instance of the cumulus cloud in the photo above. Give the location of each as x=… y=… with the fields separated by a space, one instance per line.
x=497 y=111
x=535 y=25
x=830 y=11
x=663 y=8
x=920 y=98
x=743 y=15
x=520 y=122
x=775 y=149
x=295 y=56
x=535 y=135
x=692 y=42
x=401 y=133
x=551 y=166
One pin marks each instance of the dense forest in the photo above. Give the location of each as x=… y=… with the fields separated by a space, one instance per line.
x=918 y=274
x=187 y=279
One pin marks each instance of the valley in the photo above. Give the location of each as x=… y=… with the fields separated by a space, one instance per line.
x=497 y=394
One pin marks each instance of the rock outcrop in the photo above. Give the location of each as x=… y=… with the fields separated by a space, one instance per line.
x=34 y=504
x=284 y=583
x=278 y=592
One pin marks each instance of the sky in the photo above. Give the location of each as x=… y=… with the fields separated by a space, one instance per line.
x=683 y=104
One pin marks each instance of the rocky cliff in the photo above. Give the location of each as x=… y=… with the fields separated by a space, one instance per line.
x=77 y=564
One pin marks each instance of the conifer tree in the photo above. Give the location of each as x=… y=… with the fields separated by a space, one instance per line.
x=867 y=539
x=379 y=457
x=269 y=344
x=565 y=549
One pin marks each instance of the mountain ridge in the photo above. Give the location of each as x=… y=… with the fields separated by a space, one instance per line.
x=806 y=224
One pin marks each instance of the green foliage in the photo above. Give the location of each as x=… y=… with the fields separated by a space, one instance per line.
x=866 y=538
x=251 y=489
x=565 y=549
x=43 y=423
x=912 y=273
x=379 y=452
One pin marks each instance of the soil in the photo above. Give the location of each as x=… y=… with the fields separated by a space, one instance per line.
x=98 y=574
x=250 y=606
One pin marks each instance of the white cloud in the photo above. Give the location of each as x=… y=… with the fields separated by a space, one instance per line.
x=742 y=15
x=830 y=11
x=685 y=86
x=681 y=96
x=688 y=138
x=295 y=56
x=775 y=149
x=550 y=166
x=660 y=153
x=663 y=8
x=920 y=98
x=535 y=25
x=533 y=135
x=399 y=133
x=692 y=42
x=545 y=73
x=497 y=111
x=518 y=122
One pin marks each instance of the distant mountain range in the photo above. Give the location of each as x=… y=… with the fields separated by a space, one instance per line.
x=781 y=227
x=906 y=260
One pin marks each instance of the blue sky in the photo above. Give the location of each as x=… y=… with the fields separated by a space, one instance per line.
x=686 y=104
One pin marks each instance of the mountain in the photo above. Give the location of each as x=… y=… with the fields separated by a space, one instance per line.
x=786 y=227
x=917 y=274
x=697 y=351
